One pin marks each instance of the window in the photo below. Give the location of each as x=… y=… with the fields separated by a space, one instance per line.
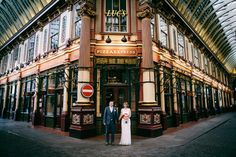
x=195 y=56
x=175 y=40
x=5 y=60
x=25 y=53
x=168 y=92
x=213 y=70
x=63 y=32
x=36 y=45
x=152 y=27
x=164 y=32
x=31 y=43
x=206 y=65
x=77 y=21
x=15 y=57
x=54 y=33
x=116 y=16
x=181 y=45
x=45 y=40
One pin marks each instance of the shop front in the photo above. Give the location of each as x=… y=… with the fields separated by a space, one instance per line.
x=117 y=79
x=27 y=99
x=51 y=97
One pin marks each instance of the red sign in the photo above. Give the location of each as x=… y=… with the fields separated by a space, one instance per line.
x=87 y=90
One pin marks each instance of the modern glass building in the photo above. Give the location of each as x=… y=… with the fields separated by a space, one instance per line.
x=62 y=61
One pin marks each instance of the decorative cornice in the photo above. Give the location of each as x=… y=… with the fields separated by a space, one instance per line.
x=145 y=13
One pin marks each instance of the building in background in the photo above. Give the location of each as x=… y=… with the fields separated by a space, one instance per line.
x=62 y=61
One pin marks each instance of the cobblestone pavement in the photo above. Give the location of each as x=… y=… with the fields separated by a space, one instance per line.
x=214 y=136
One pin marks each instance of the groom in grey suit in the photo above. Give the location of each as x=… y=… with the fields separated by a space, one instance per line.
x=110 y=120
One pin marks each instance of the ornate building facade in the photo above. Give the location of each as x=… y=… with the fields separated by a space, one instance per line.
x=140 y=51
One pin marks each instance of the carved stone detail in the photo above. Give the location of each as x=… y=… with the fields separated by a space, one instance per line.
x=157 y=119
x=88 y=119
x=85 y=10
x=145 y=13
x=145 y=119
x=76 y=119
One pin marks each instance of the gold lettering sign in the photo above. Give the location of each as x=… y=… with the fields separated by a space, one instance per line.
x=113 y=13
x=115 y=52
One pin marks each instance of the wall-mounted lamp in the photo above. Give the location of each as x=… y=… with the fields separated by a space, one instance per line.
x=124 y=39
x=108 y=40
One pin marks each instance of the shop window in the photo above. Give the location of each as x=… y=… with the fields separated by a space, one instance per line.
x=63 y=32
x=168 y=92
x=50 y=105
x=116 y=16
x=183 y=95
x=31 y=43
x=54 y=33
x=77 y=21
x=189 y=97
x=181 y=48
x=164 y=32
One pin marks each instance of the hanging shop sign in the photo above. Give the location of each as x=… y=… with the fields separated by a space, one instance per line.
x=87 y=90
x=118 y=13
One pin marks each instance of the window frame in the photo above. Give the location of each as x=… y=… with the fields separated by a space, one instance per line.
x=119 y=19
x=163 y=33
x=56 y=35
x=181 y=45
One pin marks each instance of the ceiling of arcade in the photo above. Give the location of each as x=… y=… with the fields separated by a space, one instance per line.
x=215 y=23
x=15 y=14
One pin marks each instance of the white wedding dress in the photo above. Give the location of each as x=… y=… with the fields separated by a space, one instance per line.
x=125 y=127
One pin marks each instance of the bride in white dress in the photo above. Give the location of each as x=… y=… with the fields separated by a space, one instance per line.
x=125 y=125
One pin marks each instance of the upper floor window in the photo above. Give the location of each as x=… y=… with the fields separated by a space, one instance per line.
x=54 y=33
x=31 y=43
x=152 y=27
x=181 y=45
x=63 y=32
x=164 y=32
x=36 y=44
x=206 y=65
x=213 y=70
x=195 y=56
x=45 y=36
x=116 y=16
x=77 y=21
x=15 y=57
x=175 y=40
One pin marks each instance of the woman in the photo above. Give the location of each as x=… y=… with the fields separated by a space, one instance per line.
x=125 y=125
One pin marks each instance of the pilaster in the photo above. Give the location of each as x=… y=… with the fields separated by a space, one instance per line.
x=149 y=110
x=18 y=96
x=65 y=118
x=83 y=112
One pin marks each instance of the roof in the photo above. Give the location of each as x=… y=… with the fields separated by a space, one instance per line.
x=215 y=22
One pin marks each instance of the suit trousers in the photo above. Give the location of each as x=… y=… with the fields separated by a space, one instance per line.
x=110 y=128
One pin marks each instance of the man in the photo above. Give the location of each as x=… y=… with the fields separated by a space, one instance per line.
x=109 y=120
